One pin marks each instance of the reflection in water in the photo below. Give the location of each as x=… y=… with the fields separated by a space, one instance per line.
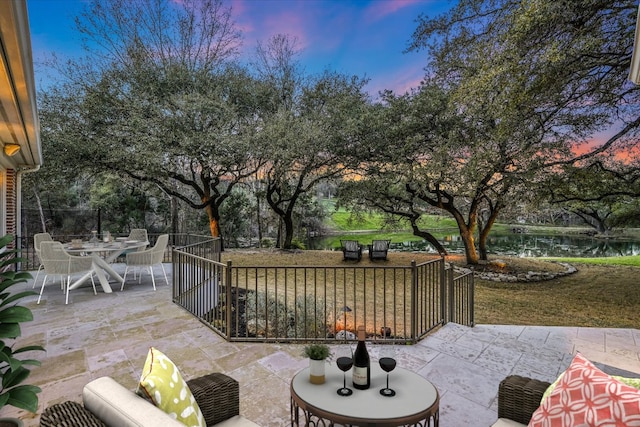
x=526 y=245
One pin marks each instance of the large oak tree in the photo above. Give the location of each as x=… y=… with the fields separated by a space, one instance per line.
x=158 y=99
x=310 y=132
x=529 y=82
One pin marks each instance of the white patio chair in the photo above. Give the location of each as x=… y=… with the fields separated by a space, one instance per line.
x=57 y=261
x=37 y=239
x=147 y=259
x=139 y=234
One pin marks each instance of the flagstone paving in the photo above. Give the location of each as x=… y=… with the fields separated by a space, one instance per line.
x=110 y=334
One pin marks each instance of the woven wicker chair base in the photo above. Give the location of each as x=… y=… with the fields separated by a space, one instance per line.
x=519 y=397
x=218 y=396
x=69 y=414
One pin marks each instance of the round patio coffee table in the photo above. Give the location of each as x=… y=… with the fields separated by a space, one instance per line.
x=415 y=403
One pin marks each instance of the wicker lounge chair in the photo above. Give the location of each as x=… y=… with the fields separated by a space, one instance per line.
x=217 y=394
x=518 y=399
x=378 y=249
x=351 y=249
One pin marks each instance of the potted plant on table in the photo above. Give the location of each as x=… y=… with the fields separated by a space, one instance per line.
x=317 y=354
x=13 y=370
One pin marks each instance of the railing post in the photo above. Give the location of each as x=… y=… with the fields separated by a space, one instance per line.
x=443 y=294
x=227 y=300
x=471 y=300
x=414 y=301
x=217 y=249
x=174 y=274
x=451 y=297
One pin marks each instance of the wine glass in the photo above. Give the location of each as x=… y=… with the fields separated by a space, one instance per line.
x=344 y=362
x=387 y=363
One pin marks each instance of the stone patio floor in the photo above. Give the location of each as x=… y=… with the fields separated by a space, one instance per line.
x=110 y=334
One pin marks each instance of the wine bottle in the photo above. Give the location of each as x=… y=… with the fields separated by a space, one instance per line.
x=361 y=364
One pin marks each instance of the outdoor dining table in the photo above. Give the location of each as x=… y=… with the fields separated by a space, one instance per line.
x=102 y=255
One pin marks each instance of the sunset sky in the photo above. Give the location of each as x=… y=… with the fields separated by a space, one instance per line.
x=363 y=38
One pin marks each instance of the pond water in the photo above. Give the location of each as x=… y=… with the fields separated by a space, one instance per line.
x=514 y=244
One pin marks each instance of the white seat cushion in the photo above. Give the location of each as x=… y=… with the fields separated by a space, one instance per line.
x=237 y=421
x=503 y=422
x=119 y=407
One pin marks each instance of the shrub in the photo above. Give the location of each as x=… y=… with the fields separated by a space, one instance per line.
x=267 y=315
x=13 y=371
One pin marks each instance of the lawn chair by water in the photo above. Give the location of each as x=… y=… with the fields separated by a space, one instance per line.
x=378 y=249
x=351 y=249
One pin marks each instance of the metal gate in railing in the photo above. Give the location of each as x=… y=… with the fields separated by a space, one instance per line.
x=302 y=303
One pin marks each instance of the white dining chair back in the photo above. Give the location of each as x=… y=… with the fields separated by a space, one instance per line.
x=57 y=261
x=139 y=234
x=146 y=259
x=37 y=239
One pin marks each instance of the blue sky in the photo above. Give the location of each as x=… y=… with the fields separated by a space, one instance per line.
x=363 y=38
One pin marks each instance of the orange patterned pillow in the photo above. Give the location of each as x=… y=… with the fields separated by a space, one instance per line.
x=585 y=396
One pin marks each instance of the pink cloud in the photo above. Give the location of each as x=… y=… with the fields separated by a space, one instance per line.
x=238 y=12
x=238 y=7
x=336 y=35
x=259 y=21
x=380 y=9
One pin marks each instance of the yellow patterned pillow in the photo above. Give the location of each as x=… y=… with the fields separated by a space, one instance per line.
x=162 y=384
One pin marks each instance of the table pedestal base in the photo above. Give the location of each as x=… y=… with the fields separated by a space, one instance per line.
x=309 y=419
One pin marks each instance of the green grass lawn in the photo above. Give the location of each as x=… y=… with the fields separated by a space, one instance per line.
x=604 y=292
x=345 y=221
x=633 y=261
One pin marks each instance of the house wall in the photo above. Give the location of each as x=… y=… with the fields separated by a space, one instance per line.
x=8 y=202
x=3 y=202
x=18 y=111
x=11 y=203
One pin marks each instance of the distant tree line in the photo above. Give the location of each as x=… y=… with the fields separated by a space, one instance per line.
x=162 y=120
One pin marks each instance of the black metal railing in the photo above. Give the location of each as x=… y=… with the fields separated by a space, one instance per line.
x=302 y=303
x=460 y=298
x=292 y=303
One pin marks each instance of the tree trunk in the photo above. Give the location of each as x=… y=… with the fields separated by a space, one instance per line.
x=428 y=237
x=445 y=202
x=214 y=223
x=482 y=247
x=592 y=219
x=40 y=211
x=279 y=234
x=470 y=251
x=258 y=216
x=466 y=230
x=485 y=229
x=288 y=231
x=174 y=217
